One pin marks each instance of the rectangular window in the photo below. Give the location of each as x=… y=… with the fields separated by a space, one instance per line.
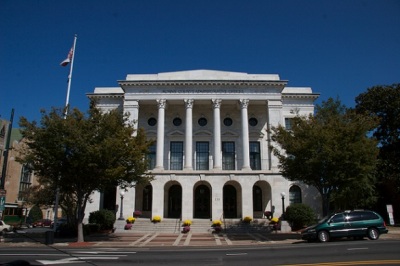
x=176 y=155
x=255 y=156
x=151 y=157
x=202 y=154
x=25 y=182
x=288 y=123
x=228 y=155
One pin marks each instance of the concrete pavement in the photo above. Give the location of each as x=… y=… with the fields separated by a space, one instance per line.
x=156 y=239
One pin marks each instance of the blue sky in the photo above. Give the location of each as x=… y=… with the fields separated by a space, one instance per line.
x=339 y=48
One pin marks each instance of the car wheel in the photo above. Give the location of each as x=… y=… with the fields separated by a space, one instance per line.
x=323 y=236
x=373 y=234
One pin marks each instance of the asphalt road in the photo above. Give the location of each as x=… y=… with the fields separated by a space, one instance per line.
x=343 y=252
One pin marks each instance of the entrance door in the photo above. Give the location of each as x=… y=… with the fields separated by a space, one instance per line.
x=202 y=202
x=175 y=201
x=230 y=210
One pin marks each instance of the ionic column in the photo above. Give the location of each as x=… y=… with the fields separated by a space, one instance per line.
x=217 y=134
x=188 y=133
x=160 y=134
x=245 y=134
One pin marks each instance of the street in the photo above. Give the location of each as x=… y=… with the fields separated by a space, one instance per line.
x=380 y=252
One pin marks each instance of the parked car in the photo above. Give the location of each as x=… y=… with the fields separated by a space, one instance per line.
x=357 y=224
x=42 y=223
x=5 y=227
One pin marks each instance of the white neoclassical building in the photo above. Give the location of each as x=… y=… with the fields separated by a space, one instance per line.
x=212 y=157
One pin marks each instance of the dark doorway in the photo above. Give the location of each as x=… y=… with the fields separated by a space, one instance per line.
x=230 y=209
x=175 y=201
x=202 y=202
x=109 y=199
x=147 y=198
x=257 y=199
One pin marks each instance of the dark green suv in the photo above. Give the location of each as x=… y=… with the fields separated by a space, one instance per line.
x=357 y=224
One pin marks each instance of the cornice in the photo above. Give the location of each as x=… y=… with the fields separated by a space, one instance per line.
x=105 y=95
x=165 y=83
x=299 y=95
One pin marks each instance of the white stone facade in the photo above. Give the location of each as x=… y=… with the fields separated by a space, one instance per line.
x=212 y=158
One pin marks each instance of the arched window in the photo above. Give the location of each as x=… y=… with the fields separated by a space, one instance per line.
x=147 y=198
x=294 y=195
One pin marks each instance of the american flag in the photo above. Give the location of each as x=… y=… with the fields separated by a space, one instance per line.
x=68 y=59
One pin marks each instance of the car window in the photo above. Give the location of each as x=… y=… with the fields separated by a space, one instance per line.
x=338 y=218
x=369 y=216
x=355 y=216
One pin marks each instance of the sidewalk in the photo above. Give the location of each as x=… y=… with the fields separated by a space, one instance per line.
x=139 y=240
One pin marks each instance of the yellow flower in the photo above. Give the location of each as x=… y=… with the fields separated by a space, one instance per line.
x=187 y=222
x=274 y=220
x=130 y=220
x=247 y=219
x=156 y=219
x=217 y=223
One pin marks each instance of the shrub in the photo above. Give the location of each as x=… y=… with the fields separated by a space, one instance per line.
x=91 y=228
x=299 y=215
x=105 y=218
x=35 y=214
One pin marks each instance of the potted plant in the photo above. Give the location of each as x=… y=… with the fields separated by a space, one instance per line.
x=186 y=226
x=247 y=219
x=217 y=226
x=129 y=222
x=268 y=215
x=156 y=219
x=137 y=214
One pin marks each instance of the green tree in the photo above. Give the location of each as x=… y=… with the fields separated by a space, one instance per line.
x=383 y=102
x=330 y=151
x=80 y=154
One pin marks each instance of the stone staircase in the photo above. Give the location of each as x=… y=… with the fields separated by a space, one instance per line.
x=167 y=225
x=174 y=226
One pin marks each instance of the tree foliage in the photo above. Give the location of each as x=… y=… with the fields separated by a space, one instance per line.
x=383 y=102
x=300 y=215
x=80 y=154
x=330 y=151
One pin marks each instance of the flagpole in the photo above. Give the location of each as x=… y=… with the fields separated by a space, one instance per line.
x=57 y=197
x=70 y=77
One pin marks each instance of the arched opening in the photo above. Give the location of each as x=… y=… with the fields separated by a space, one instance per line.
x=230 y=201
x=202 y=202
x=294 y=194
x=175 y=201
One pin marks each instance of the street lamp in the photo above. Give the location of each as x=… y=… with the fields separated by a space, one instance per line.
x=283 y=205
x=121 y=216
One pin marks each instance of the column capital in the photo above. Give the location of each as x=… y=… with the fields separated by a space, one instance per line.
x=244 y=103
x=161 y=103
x=216 y=103
x=188 y=103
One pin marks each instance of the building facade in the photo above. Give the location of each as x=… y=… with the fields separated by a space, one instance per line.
x=212 y=156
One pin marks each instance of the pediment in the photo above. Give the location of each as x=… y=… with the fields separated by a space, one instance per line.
x=176 y=133
x=202 y=133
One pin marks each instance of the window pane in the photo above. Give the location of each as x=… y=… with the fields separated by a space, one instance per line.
x=228 y=155
x=151 y=157
x=255 y=158
x=176 y=155
x=294 y=195
x=202 y=154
